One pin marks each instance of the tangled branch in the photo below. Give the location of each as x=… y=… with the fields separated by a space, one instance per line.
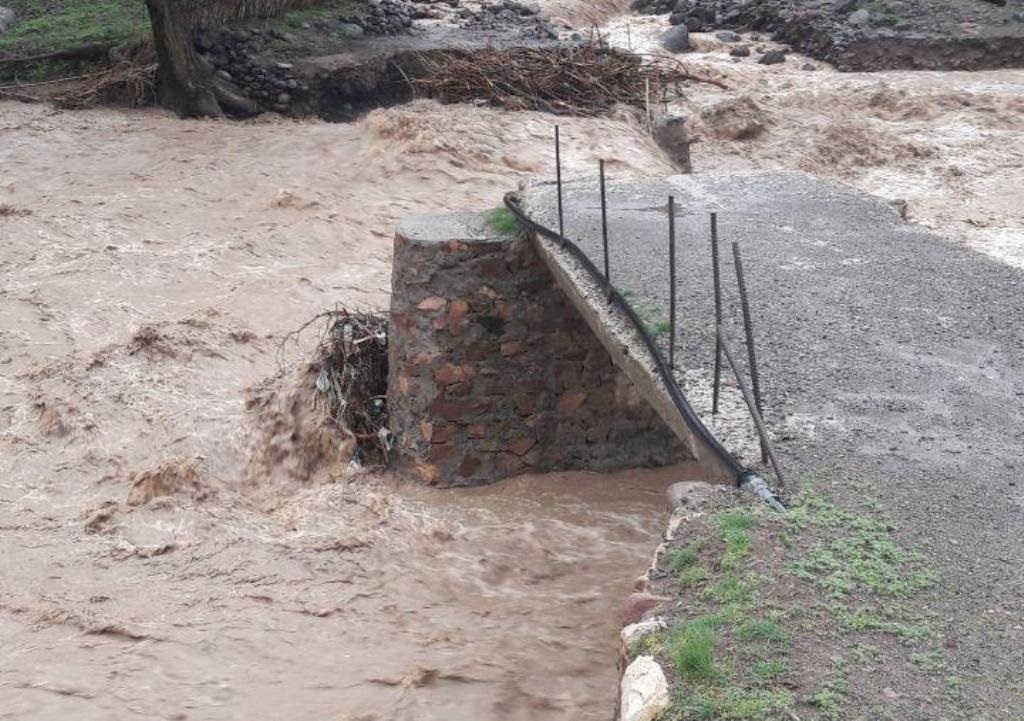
x=569 y=80
x=353 y=378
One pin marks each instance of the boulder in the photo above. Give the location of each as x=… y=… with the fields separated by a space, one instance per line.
x=350 y=30
x=643 y=690
x=694 y=23
x=677 y=18
x=637 y=605
x=772 y=57
x=676 y=39
x=740 y=51
x=737 y=118
x=671 y=136
x=728 y=36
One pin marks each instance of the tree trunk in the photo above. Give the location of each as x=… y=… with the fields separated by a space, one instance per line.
x=187 y=83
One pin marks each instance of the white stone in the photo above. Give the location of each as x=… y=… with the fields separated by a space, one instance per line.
x=635 y=631
x=644 y=690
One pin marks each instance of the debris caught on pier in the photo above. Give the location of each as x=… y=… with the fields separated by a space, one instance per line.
x=352 y=380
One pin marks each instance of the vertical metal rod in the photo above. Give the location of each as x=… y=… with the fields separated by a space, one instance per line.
x=751 y=405
x=718 y=312
x=604 y=232
x=558 y=176
x=671 y=282
x=748 y=329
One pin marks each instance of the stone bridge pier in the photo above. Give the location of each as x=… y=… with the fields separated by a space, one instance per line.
x=494 y=372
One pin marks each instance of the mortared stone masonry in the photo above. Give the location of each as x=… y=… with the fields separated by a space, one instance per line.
x=493 y=372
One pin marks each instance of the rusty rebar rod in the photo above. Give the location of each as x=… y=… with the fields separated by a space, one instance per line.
x=672 y=282
x=716 y=274
x=604 y=233
x=558 y=180
x=748 y=329
x=751 y=405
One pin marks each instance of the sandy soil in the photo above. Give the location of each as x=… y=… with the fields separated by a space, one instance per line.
x=152 y=268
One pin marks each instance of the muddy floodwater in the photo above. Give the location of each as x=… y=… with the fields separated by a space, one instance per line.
x=174 y=546
x=349 y=601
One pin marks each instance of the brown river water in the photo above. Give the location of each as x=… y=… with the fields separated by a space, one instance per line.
x=151 y=269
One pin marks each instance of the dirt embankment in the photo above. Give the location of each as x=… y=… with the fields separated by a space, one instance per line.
x=872 y=35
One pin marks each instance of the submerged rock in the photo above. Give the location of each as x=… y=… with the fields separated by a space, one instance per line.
x=772 y=57
x=735 y=119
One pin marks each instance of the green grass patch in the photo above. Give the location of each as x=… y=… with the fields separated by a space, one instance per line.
x=693 y=576
x=691 y=646
x=679 y=559
x=862 y=558
x=732 y=590
x=764 y=629
x=831 y=699
x=43 y=26
x=503 y=221
x=767 y=594
x=729 y=704
x=928 y=662
x=770 y=670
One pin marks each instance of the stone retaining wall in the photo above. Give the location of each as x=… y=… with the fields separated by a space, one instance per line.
x=492 y=370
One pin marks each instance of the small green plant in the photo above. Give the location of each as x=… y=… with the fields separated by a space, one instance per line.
x=766 y=671
x=679 y=559
x=732 y=590
x=691 y=646
x=764 y=629
x=729 y=704
x=927 y=662
x=659 y=328
x=503 y=221
x=833 y=694
x=689 y=577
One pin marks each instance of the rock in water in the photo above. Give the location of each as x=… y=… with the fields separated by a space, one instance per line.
x=772 y=57
x=670 y=134
x=728 y=36
x=735 y=119
x=676 y=39
x=6 y=19
x=740 y=51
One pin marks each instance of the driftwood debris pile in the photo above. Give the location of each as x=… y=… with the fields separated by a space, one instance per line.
x=352 y=381
x=588 y=79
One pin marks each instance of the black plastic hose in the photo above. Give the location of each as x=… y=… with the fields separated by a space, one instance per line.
x=675 y=393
